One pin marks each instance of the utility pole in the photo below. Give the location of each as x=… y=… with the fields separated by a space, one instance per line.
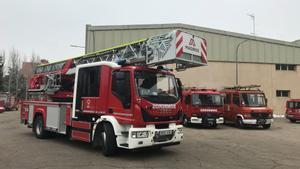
x=237 y=60
x=252 y=16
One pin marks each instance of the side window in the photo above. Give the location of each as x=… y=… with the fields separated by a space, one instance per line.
x=227 y=99
x=121 y=87
x=236 y=99
x=88 y=83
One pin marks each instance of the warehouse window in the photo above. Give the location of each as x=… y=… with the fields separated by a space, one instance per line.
x=283 y=93
x=285 y=67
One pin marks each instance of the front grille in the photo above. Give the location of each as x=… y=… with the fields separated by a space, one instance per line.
x=161 y=126
x=158 y=138
x=257 y=115
x=149 y=118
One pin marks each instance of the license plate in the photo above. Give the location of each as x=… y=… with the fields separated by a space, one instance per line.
x=166 y=132
x=210 y=119
x=261 y=121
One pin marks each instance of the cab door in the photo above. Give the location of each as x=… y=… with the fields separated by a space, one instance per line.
x=235 y=106
x=120 y=99
x=227 y=105
x=88 y=90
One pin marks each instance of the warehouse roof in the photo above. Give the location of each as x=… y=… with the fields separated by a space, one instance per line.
x=192 y=27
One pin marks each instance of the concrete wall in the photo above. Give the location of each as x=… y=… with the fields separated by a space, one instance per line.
x=220 y=74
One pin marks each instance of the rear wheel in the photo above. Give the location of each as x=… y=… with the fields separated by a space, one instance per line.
x=108 y=140
x=292 y=120
x=38 y=128
x=266 y=126
x=239 y=123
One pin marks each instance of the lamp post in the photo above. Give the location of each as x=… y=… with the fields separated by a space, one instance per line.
x=236 y=61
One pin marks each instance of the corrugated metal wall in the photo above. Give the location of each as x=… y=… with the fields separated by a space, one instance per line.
x=221 y=46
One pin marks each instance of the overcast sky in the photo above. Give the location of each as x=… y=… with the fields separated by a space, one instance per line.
x=48 y=28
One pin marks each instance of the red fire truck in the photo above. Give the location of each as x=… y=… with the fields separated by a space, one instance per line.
x=112 y=98
x=2 y=108
x=293 y=110
x=202 y=106
x=10 y=102
x=247 y=105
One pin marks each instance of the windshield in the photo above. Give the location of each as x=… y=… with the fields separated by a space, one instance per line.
x=207 y=99
x=253 y=99
x=294 y=105
x=156 y=87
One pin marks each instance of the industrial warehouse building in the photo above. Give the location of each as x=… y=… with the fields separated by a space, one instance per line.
x=273 y=64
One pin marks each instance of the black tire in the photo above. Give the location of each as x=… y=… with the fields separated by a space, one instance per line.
x=185 y=122
x=108 y=140
x=292 y=120
x=38 y=128
x=239 y=123
x=266 y=126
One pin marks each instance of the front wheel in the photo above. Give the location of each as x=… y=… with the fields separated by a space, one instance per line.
x=186 y=122
x=266 y=126
x=108 y=140
x=239 y=123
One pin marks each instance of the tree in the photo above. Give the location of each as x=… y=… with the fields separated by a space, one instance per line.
x=13 y=71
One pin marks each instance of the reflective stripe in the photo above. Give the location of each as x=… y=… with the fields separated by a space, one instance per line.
x=122 y=114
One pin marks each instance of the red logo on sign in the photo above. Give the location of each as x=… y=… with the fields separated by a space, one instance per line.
x=192 y=42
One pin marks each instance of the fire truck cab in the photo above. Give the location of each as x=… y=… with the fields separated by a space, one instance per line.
x=247 y=105
x=293 y=110
x=202 y=106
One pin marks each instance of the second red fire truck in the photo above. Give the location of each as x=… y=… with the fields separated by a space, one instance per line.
x=112 y=98
x=202 y=106
x=293 y=110
x=247 y=105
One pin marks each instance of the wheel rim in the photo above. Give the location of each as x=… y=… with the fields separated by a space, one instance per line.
x=103 y=138
x=185 y=121
x=239 y=121
x=38 y=127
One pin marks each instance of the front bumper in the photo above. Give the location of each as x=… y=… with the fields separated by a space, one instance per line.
x=197 y=120
x=293 y=116
x=257 y=121
x=153 y=139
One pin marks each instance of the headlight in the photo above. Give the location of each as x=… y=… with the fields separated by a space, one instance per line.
x=139 y=134
x=247 y=115
x=270 y=115
x=180 y=130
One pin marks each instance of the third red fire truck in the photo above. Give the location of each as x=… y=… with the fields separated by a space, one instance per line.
x=247 y=105
x=120 y=97
x=202 y=106
x=293 y=110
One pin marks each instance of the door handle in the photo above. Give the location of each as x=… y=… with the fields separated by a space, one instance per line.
x=110 y=110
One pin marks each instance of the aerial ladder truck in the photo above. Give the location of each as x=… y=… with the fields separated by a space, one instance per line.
x=121 y=97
